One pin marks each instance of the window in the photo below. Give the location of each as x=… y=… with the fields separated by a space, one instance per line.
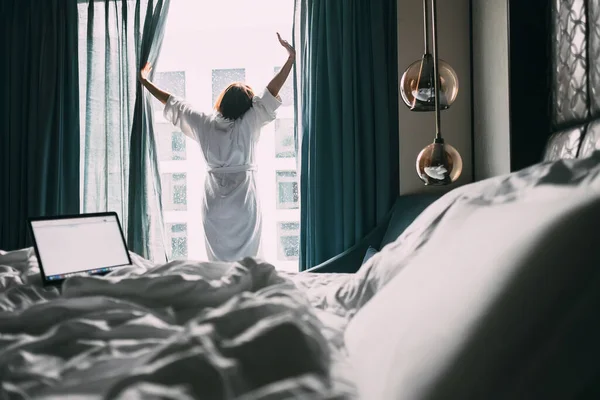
x=206 y=47
x=172 y=81
x=284 y=138
x=289 y=240
x=174 y=191
x=177 y=146
x=287 y=190
x=178 y=238
x=179 y=189
x=171 y=144
x=221 y=78
x=287 y=91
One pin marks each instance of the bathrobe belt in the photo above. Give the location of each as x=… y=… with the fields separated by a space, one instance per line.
x=232 y=169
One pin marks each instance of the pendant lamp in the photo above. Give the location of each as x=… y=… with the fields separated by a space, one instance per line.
x=438 y=163
x=417 y=82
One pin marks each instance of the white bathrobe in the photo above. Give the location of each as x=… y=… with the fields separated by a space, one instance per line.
x=231 y=212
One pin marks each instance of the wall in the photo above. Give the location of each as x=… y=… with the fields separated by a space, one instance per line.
x=417 y=130
x=491 y=88
x=511 y=95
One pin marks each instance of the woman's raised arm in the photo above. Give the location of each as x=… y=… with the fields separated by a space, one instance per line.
x=278 y=80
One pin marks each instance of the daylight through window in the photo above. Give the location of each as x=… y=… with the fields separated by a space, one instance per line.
x=207 y=46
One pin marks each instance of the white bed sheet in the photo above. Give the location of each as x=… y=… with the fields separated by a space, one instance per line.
x=325 y=293
x=118 y=323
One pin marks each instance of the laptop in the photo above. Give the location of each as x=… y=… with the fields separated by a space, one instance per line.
x=85 y=244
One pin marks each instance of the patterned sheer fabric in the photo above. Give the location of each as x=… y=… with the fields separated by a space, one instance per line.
x=575 y=79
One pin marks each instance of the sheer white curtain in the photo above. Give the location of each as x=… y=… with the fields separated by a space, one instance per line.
x=119 y=165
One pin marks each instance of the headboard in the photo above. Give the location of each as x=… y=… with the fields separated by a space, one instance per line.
x=574 y=79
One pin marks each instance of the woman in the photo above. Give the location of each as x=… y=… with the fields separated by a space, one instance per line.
x=227 y=138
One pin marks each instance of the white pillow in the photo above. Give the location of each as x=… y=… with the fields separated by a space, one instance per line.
x=502 y=303
x=549 y=180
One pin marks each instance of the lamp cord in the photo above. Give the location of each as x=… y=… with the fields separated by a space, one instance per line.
x=438 y=134
x=426 y=24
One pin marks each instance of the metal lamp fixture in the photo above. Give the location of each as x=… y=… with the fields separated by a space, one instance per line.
x=432 y=85
x=417 y=82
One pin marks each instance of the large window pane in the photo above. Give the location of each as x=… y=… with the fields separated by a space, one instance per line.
x=289 y=240
x=287 y=190
x=221 y=78
x=287 y=91
x=174 y=191
x=172 y=82
x=177 y=233
x=284 y=138
x=207 y=46
x=171 y=143
x=177 y=146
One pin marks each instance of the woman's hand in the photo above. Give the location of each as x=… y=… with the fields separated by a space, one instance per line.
x=291 y=51
x=145 y=72
x=157 y=92
x=279 y=79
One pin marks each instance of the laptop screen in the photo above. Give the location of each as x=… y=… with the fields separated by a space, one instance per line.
x=81 y=245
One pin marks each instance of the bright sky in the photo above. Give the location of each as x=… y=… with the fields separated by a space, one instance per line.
x=226 y=34
x=210 y=14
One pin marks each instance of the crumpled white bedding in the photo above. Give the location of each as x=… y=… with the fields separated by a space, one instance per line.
x=180 y=330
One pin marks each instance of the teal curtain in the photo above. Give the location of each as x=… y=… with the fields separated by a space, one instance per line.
x=120 y=165
x=145 y=231
x=39 y=114
x=347 y=107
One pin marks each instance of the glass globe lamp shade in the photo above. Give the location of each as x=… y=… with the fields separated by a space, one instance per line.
x=439 y=164
x=417 y=85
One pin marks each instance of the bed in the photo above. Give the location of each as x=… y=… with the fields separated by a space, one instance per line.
x=492 y=292
x=179 y=330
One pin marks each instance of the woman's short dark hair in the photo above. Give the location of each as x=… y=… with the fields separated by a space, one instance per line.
x=234 y=101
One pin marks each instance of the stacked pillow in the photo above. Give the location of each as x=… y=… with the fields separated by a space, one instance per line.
x=490 y=293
